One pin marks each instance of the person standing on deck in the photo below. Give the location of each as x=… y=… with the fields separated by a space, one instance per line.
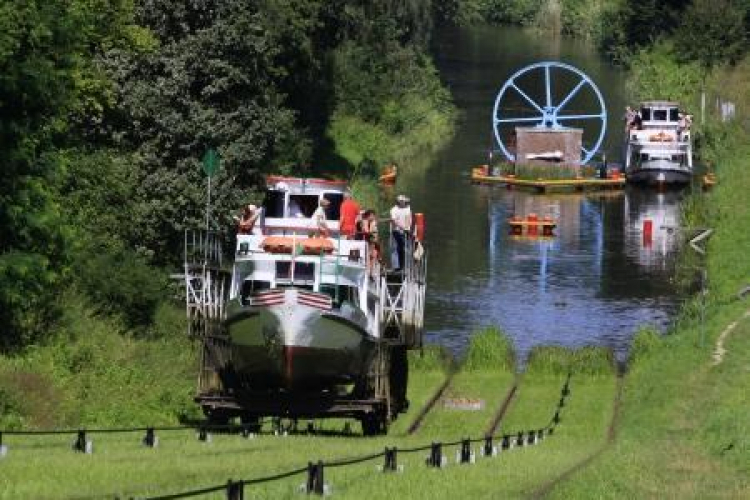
x=246 y=223
x=349 y=212
x=401 y=221
x=319 y=216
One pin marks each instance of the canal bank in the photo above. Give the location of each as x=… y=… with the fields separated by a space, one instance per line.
x=686 y=418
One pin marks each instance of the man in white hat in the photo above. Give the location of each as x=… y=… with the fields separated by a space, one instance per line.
x=401 y=222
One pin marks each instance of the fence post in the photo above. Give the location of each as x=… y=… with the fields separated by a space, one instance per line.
x=489 y=449
x=506 y=442
x=556 y=417
x=3 y=448
x=81 y=444
x=519 y=439
x=436 y=455
x=315 y=478
x=235 y=490
x=465 y=454
x=531 y=437
x=390 y=464
x=150 y=438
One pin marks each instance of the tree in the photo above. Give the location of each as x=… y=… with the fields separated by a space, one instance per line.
x=713 y=32
x=39 y=48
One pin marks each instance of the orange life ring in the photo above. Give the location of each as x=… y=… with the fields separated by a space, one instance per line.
x=286 y=244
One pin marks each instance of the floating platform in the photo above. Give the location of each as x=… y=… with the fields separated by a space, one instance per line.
x=544 y=185
x=532 y=226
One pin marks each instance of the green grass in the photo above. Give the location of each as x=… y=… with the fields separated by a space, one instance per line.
x=685 y=423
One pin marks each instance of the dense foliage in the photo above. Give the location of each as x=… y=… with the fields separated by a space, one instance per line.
x=108 y=105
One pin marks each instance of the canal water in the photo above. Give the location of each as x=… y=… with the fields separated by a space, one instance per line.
x=597 y=281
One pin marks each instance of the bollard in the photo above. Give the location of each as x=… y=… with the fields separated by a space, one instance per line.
x=540 y=435
x=506 y=442
x=519 y=439
x=489 y=450
x=204 y=435
x=556 y=417
x=3 y=448
x=565 y=390
x=81 y=444
x=315 y=478
x=562 y=402
x=436 y=455
x=235 y=490
x=150 y=438
x=465 y=455
x=390 y=465
x=550 y=431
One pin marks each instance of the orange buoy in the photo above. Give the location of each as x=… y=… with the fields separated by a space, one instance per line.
x=316 y=246
x=277 y=244
x=648 y=228
x=419 y=226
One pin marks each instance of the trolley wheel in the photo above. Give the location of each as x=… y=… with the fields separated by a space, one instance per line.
x=217 y=416
x=374 y=424
x=398 y=380
x=251 y=423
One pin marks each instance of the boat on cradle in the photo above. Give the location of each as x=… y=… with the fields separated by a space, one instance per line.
x=660 y=151
x=311 y=325
x=302 y=309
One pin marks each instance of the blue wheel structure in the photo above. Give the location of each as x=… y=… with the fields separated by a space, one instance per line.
x=549 y=114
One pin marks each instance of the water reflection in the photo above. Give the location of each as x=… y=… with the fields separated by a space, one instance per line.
x=595 y=282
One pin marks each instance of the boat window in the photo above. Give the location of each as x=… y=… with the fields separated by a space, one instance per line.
x=303 y=271
x=644 y=157
x=302 y=205
x=333 y=212
x=283 y=270
x=646 y=114
x=660 y=115
x=674 y=115
x=273 y=204
x=250 y=287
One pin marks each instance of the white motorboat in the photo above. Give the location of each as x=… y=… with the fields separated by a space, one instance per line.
x=658 y=147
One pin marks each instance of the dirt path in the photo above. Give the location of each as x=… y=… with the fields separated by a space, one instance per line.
x=720 y=351
x=547 y=487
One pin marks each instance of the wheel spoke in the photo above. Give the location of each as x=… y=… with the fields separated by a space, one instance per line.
x=524 y=119
x=580 y=117
x=571 y=95
x=548 y=82
x=529 y=99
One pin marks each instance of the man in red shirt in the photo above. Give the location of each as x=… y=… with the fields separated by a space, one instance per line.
x=349 y=213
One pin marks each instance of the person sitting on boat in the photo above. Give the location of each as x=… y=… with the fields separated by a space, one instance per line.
x=629 y=118
x=349 y=213
x=401 y=222
x=319 y=216
x=246 y=223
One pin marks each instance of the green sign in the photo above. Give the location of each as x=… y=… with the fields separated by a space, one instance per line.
x=211 y=162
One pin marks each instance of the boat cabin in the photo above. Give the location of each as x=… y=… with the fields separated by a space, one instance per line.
x=291 y=201
x=660 y=114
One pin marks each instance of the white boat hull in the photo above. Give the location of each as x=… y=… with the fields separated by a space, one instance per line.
x=294 y=346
